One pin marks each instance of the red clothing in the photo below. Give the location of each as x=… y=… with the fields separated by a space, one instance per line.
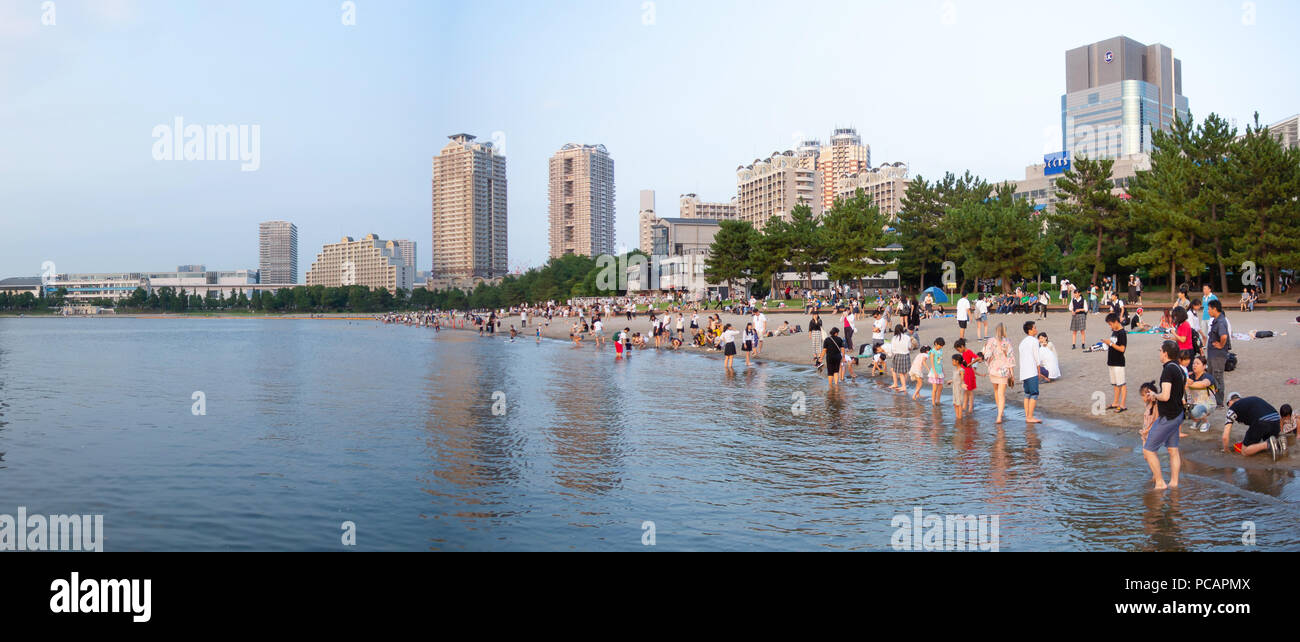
x=969 y=356
x=1184 y=330
x=968 y=377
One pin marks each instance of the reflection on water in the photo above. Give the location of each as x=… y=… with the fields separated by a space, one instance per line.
x=451 y=441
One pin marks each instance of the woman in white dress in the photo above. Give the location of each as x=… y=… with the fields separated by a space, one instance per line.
x=1047 y=354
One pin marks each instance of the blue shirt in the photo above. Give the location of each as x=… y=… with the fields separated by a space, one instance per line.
x=1205 y=306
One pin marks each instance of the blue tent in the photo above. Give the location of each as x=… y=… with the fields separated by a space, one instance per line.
x=939 y=296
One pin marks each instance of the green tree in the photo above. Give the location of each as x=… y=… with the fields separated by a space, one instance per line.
x=730 y=253
x=1164 y=209
x=853 y=233
x=1264 y=213
x=919 y=220
x=1087 y=213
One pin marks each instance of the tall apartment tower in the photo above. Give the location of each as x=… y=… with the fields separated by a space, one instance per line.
x=406 y=249
x=1117 y=92
x=646 y=218
x=844 y=156
x=469 y=210
x=581 y=201
x=277 y=252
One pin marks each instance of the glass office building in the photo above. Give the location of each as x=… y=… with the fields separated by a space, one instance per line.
x=1119 y=91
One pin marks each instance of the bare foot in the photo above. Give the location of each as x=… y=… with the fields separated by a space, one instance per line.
x=1161 y=486
x=1031 y=420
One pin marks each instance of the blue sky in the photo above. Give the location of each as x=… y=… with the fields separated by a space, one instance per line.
x=679 y=92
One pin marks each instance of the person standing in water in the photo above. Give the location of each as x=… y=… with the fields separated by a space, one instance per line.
x=1029 y=361
x=832 y=354
x=728 y=346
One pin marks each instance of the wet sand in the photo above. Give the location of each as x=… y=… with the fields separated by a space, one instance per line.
x=1264 y=366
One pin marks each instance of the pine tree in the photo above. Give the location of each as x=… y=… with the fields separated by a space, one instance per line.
x=852 y=234
x=1263 y=211
x=1209 y=150
x=1165 y=211
x=1088 y=213
x=730 y=253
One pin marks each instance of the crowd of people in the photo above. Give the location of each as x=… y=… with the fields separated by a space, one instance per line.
x=1195 y=351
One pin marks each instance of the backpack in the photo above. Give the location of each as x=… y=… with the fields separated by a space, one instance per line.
x=1231 y=363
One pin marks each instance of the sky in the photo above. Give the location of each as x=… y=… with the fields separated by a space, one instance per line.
x=349 y=116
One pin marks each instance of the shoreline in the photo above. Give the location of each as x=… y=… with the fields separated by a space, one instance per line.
x=1262 y=372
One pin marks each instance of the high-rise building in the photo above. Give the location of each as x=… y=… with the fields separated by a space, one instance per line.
x=277 y=252
x=370 y=261
x=1117 y=92
x=582 y=201
x=775 y=185
x=469 y=210
x=645 y=217
x=406 y=249
x=885 y=185
x=690 y=206
x=844 y=156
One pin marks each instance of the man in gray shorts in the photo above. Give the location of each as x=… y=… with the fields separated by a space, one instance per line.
x=1169 y=406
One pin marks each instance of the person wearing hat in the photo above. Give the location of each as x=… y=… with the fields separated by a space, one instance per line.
x=1263 y=422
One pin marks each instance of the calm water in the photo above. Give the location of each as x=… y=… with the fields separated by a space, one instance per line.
x=312 y=423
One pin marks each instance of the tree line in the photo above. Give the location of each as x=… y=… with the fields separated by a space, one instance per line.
x=1210 y=203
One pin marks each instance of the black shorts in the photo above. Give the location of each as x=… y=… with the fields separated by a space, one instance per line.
x=832 y=367
x=961 y=324
x=1261 y=431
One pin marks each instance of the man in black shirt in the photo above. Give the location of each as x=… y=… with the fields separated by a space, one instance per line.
x=1263 y=422
x=1169 y=406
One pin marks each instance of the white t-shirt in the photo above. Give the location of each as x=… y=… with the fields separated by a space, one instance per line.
x=878 y=329
x=760 y=323
x=963 y=309
x=1029 y=359
x=981 y=307
x=901 y=344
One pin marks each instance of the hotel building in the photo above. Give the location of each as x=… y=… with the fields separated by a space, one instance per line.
x=370 y=261
x=690 y=206
x=581 y=191
x=469 y=211
x=775 y=185
x=886 y=186
x=844 y=156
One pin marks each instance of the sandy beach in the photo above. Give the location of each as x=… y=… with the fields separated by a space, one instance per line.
x=1265 y=365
